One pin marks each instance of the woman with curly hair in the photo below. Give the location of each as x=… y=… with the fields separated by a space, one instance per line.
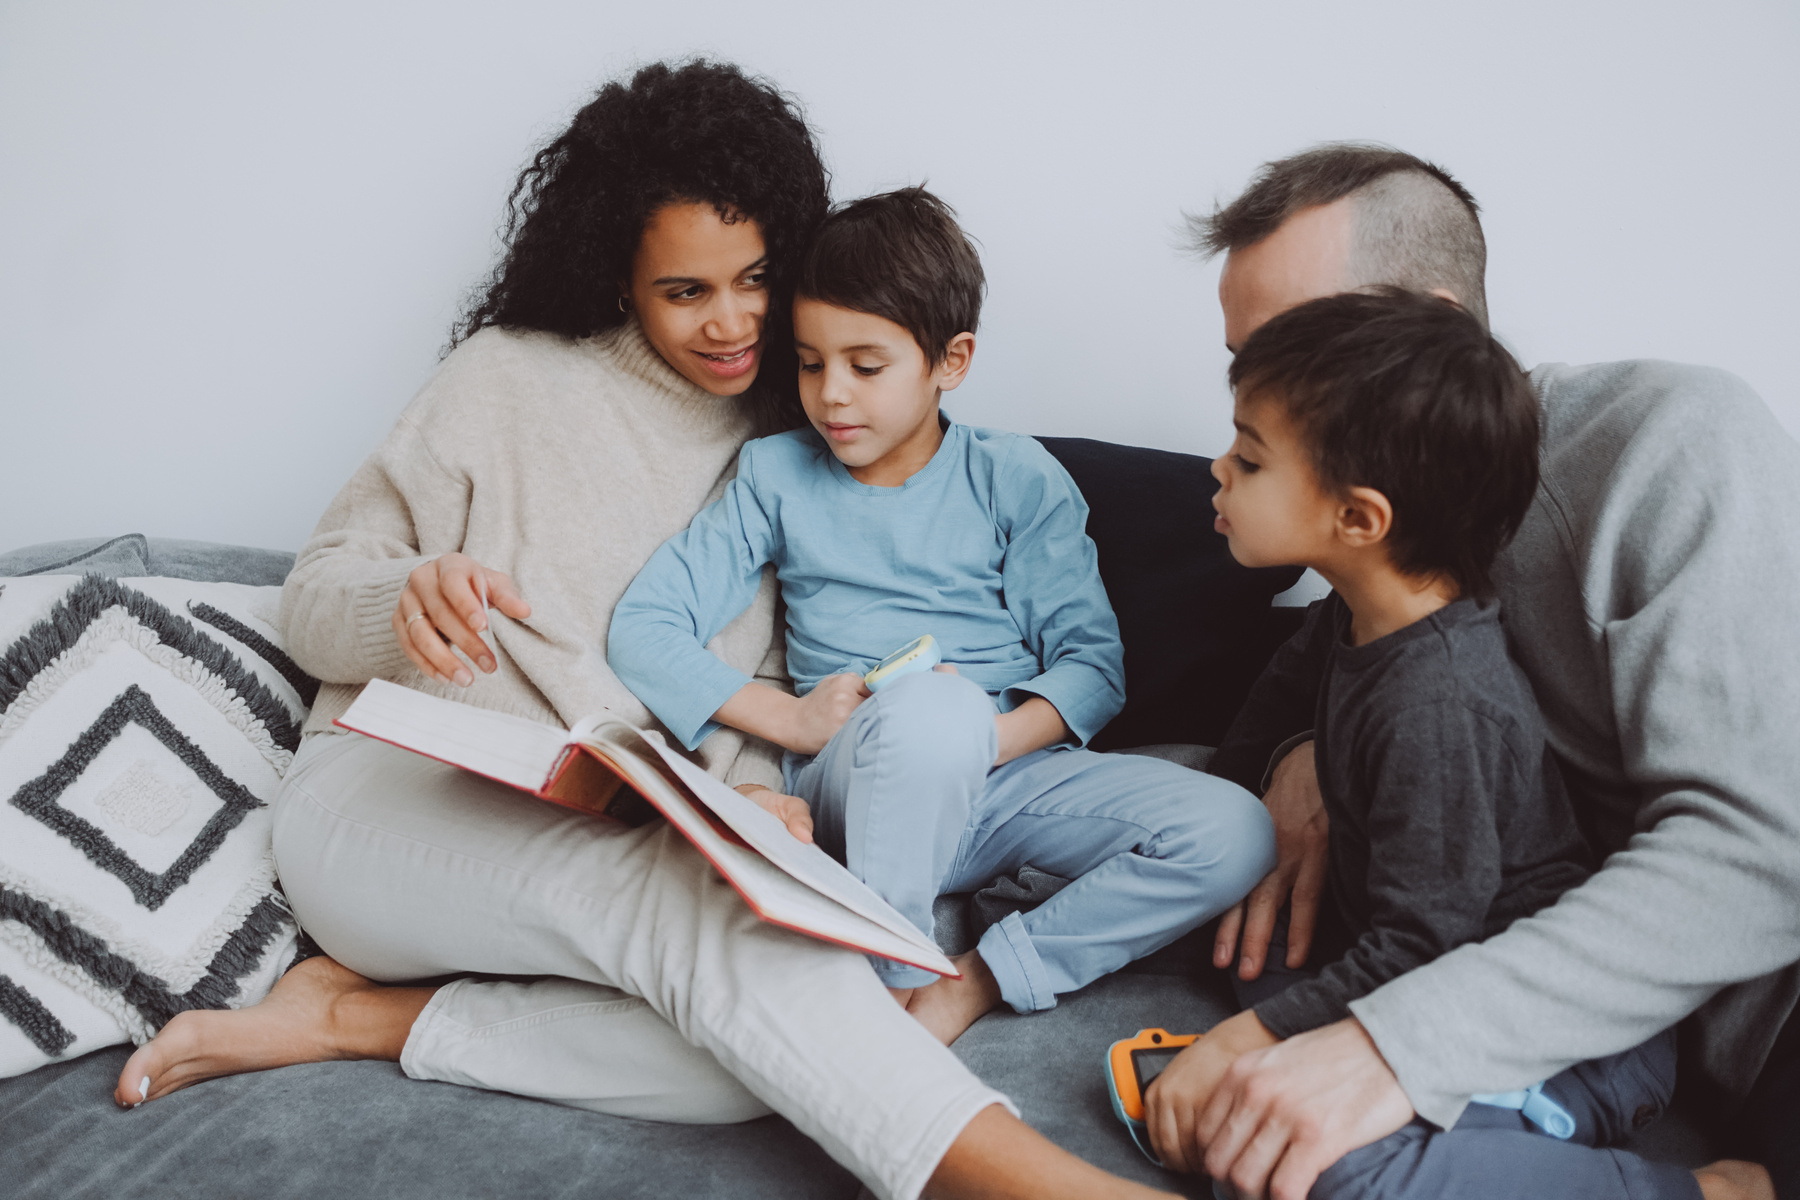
x=593 y=400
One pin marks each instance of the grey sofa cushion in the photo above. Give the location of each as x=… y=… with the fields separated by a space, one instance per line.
x=135 y=555
x=365 y=1130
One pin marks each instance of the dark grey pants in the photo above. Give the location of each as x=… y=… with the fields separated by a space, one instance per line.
x=1495 y=1153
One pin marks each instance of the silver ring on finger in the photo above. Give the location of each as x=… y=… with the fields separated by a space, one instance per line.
x=418 y=616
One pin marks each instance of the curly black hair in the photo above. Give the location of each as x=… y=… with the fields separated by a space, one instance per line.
x=698 y=131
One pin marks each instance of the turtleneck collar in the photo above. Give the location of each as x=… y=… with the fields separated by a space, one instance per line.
x=630 y=352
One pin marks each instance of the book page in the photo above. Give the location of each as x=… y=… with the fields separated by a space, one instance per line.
x=524 y=754
x=513 y=750
x=764 y=831
x=782 y=900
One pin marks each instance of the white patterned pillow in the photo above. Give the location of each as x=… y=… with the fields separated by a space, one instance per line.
x=144 y=726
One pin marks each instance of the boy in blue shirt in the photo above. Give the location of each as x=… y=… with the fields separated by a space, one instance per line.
x=885 y=521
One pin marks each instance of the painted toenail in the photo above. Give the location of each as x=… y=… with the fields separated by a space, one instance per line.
x=143 y=1089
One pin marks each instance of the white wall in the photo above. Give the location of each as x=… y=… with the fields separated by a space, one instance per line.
x=232 y=236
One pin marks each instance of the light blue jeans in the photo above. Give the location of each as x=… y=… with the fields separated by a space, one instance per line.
x=904 y=796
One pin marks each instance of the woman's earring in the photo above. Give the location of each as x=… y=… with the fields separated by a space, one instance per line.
x=624 y=304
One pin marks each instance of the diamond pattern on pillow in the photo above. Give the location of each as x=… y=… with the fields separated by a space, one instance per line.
x=144 y=727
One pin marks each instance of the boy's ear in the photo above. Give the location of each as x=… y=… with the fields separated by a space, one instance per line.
x=1364 y=517
x=957 y=357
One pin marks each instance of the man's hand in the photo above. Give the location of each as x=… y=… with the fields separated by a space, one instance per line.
x=792 y=810
x=1281 y=1116
x=442 y=607
x=1176 y=1098
x=1301 y=829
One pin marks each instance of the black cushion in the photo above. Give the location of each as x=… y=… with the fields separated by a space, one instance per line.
x=1197 y=626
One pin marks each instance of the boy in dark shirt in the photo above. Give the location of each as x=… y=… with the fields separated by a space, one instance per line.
x=1388 y=442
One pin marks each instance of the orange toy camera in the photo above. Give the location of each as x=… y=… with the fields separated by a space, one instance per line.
x=1130 y=1066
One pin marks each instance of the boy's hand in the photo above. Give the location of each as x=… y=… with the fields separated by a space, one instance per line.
x=1031 y=726
x=802 y=724
x=1176 y=1098
x=1302 y=834
x=792 y=810
x=817 y=716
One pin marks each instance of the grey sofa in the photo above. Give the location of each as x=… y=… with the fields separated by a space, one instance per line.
x=363 y=1129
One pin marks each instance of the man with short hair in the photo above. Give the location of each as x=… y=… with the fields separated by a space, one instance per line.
x=1652 y=597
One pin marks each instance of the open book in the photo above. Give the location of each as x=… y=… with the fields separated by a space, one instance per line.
x=608 y=768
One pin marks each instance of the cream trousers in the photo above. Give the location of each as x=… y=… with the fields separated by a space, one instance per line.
x=670 y=999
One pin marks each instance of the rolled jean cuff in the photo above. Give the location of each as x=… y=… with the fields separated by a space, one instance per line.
x=901 y=975
x=424 y=1034
x=1007 y=950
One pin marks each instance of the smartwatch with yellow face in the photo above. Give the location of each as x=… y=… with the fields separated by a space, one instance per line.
x=920 y=654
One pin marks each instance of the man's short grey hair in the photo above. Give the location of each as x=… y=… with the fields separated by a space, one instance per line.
x=1414 y=226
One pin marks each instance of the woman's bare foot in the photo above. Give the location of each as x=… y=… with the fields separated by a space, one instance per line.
x=317 y=1012
x=1732 y=1179
x=902 y=996
x=949 y=1006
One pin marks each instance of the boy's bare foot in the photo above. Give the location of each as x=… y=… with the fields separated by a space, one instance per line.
x=317 y=1012
x=949 y=1006
x=1732 y=1179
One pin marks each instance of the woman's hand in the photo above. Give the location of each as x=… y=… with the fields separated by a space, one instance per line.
x=1176 y=1098
x=792 y=810
x=442 y=607
x=1301 y=833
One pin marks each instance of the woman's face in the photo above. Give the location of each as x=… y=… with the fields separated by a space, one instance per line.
x=699 y=286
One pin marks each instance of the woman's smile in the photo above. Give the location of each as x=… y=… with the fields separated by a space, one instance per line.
x=732 y=364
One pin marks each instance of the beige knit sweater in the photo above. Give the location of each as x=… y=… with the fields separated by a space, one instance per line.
x=563 y=464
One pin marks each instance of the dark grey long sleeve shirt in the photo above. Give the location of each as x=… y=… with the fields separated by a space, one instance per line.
x=1651 y=598
x=1448 y=816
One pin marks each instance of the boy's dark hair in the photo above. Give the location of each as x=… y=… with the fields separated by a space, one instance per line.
x=1408 y=395
x=900 y=255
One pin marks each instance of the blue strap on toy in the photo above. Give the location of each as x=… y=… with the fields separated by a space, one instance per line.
x=1141 y=1136
x=1536 y=1107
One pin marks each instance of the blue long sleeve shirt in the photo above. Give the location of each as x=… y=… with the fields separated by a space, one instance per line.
x=985 y=548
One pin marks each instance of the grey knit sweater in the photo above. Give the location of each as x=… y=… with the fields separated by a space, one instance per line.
x=1653 y=599
x=564 y=464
